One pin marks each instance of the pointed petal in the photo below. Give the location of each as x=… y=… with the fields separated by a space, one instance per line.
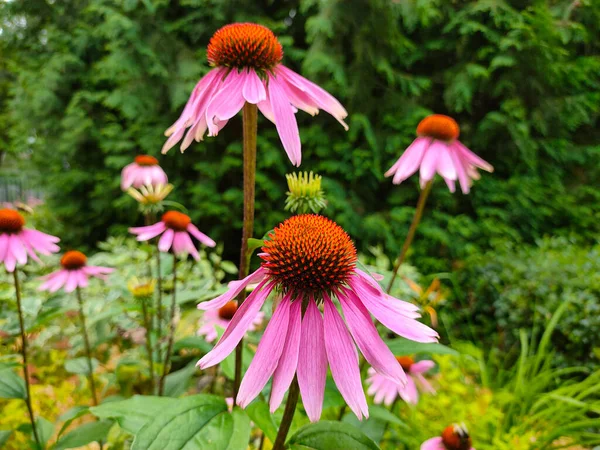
x=285 y=121
x=433 y=444
x=430 y=160
x=166 y=240
x=422 y=366
x=409 y=392
x=410 y=160
x=71 y=283
x=472 y=158
x=235 y=287
x=194 y=231
x=15 y=246
x=253 y=90
x=226 y=103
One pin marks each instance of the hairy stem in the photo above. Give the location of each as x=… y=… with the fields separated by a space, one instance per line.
x=411 y=231
x=88 y=350
x=288 y=415
x=161 y=388
x=250 y=120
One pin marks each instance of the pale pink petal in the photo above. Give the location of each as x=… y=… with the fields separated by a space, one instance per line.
x=59 y=281
x=471 y=157
x=127 y=176
x=433 y=444
x=72 y=279
x=96 y=270
x=430 y=160
x=300 y=99
x=424 y=385
x=82 y=279
x=178 y=244
x=422 y=366
x=40 y=242
x=461 y=173
x=253 y=90
x=166 y=240
x=366 y=336
x=265 y=108
x=409 y=392
x=189 y=246
x=285 y=121
x=226 y=103
x=267 y=355
x=235 y=287
x=15 y=246
x=284 y=374
x=343 y=360
x=48 y=280
x=312 y=362
x=382 y=388
x=242 y=319
x=445 y=164
x=150 y=232
x=194 y=231
x=3 y=246
x=410 y=160
x=10 y=262
x=371 y=287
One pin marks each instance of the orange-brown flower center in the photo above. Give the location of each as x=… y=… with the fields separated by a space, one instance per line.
x=439 y=127
x=405 y=361
x=309 y=254
x=227 y=311
x=11 y=221
x=176 y=221
x=146 y=160
x=73 y=260
x=456 y=437
x=244 y=45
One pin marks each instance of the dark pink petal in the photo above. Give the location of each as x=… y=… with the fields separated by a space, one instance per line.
x=430 y=160
x=226 y=103
x=267 y=355
x=194 y=231
x=253 y=90
x=284 y=374
x=265 y=108
x=235 y=287
x=285 y=121
x=312 y=362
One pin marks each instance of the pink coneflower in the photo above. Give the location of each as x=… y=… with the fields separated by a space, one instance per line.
x=221 y=318
x=74 y=273
x=247 y=68
x=17 y=242
x=454 y=437
x=310 y=260
x=143 y=171
x=437 y=149
x=386 y=390
x=175 y=228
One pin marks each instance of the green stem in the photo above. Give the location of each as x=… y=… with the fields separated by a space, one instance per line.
x=288 y=415
x=161 y=388
x=159 y=307
x=88 y=350
x=411 y=231
x=250 y=126
x=24 y=353
x=148 y=326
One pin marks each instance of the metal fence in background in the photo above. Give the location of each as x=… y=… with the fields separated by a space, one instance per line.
x=20 y=188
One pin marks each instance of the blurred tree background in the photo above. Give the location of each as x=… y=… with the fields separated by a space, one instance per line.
x=88 y=84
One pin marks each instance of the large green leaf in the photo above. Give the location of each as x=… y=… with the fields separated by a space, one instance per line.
x=327 y=435
x=72 y=414
x=11 y=385
x=176 y=383
x=260 y=415
x=86 y=433
x=132 y=414
x=401 y=346
x=197 y=422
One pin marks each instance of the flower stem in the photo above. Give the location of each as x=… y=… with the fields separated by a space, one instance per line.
x=250 y=126
x=288 y=415
x=88 y=350
x=24 y=353
x=411 y=231
x=161 y=387
x=148 y=326
x=159 y=307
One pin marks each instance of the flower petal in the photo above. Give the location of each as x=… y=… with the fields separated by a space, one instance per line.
x=226 y=103
x=409 y=392
x=285 y=121
x=235 y=287
x=253 y=90
x=194 y=231
x=433 y=444
x=422 y=366
x=166 y=240
x=410 y=160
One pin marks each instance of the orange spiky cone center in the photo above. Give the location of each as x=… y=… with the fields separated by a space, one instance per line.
x=146 y=160
x=244 y=45
x=309 y=254
x=11 y=221
x=439 y=127
x=227 y=311
x=406 y=362
x=176 y=221
x=73 y=260
x=456 y=438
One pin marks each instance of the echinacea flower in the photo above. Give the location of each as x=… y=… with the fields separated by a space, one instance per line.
x=17 y=242
x=247 y=68
x=143 y=171
x=150 y=195
x=386 y=390
x=221 y=318
x=74 y=273
x=454 y=437
x=437 y=149
x=176 y=229
x=310 y=260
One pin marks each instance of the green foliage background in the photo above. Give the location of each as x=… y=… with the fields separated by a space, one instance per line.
x=88 y=84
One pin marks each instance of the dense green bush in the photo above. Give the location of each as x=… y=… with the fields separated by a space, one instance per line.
x=517 y=287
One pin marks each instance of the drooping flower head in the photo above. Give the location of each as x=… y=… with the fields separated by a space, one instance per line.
x=175 y=228
x=74 y=273
x=437 y=149
x=247 y=68
x=220 y=318
x=454 y=437
x=143 y=171
x=17 y=242
x=310 y=261
x=385 y=390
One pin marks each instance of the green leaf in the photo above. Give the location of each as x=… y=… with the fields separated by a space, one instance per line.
x=197 y=422
x=72 y=414
x=11 y=385
x=4 y=435
x=254 y=243
x=79 y=366
x=380 y=413
x=86 y=433
x=400 y=346
x=132 y=414
x=327 y=435
x=176 y=383
x=260 y=415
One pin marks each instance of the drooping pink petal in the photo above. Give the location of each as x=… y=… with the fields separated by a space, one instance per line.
x=166 y=240
x=472 y=158
x=242 y=319
x=265 y=108
x=235 y=287
x=366 y=336
x=312 y=362
x=10 y=262
x=178 y=242
x=267 y=355
x=433 y=444
x=382 y=388
x=15 y=246
x=188 y=245
x=226 y=103
x=82 y=279
x=285 y=121
x=410 y=160
x=445 y=164
x=430 y=160
x=371 y=287
x=286 y=368
x=194 y=231
x=422 y=366
x=96 y=270
x=461 y=173
x=343 y=360
x=127 y=176
x=49 y=280
x=59 y=281
x=253 y=89
x=71 y=283
x=3 y=246
x=149 y=232
x=423 y=383
x=409 y=392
